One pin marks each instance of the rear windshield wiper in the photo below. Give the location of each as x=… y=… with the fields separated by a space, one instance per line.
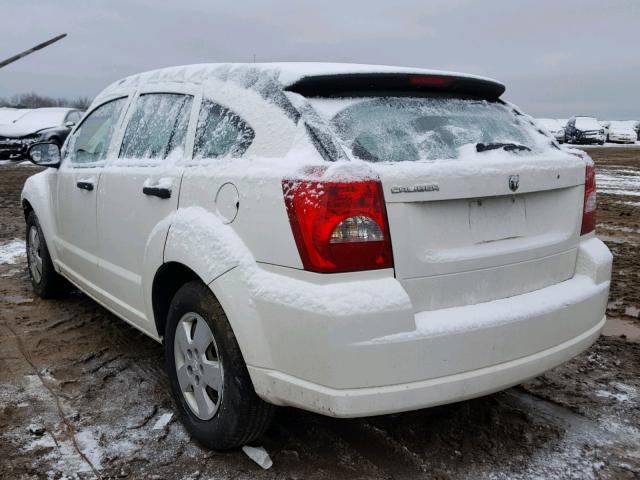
x=509 y=147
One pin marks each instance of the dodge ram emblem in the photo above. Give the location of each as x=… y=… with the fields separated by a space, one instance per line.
x=514 y=182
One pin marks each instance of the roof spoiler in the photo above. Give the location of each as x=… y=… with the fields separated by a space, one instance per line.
x=368 y=83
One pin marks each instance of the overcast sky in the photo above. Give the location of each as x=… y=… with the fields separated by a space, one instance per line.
x=557 y=58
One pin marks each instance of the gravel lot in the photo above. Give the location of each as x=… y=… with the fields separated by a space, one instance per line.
x=81 y=392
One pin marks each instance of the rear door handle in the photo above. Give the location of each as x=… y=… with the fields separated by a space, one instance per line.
x=85 y=185
x=159 y=192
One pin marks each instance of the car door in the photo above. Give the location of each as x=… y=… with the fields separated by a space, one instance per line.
x=139 y=187
x=77 y=183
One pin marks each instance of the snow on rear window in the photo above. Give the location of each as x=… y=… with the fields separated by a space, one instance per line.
x=395 y=129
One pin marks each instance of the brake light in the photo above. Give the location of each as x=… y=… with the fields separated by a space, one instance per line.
x=339 y=226
x=590 y=204
x=429 y=80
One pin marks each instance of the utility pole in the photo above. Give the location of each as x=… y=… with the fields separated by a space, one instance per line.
x=6 y=62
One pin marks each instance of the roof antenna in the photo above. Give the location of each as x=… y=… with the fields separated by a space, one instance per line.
x=40 y=46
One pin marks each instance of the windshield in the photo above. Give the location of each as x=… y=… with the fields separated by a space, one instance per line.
x=43 y=116
x=587 y=123
x=9 y=115
x=396 y=129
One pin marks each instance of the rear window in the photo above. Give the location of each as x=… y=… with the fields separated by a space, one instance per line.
x=396 y=129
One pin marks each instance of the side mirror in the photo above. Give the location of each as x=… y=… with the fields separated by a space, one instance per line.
x=45 y=154
x=69 y=124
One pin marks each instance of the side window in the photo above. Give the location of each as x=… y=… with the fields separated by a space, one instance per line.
x=221 y=132
x=157 y=127
x=73 y=117
x=90 y=142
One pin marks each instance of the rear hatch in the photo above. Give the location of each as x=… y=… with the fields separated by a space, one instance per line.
x=481 y=204
x=474 y=239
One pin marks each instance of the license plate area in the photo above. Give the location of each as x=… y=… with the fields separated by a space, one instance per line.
x=497 y=218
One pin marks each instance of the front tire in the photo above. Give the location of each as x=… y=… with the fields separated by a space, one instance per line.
x=209 y=380
x=46 y=282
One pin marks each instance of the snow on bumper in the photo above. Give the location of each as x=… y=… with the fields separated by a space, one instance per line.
x=356 y=365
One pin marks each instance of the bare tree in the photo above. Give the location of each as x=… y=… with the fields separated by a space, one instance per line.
x=34 y=100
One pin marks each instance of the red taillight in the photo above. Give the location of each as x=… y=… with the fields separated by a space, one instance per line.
x=339 y=226
x=589 y=209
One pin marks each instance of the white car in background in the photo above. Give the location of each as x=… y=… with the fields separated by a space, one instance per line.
x=552 y=126
x=347 y=239
x=622 y=132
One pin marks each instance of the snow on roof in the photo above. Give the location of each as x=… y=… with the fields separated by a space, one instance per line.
x=284 y=73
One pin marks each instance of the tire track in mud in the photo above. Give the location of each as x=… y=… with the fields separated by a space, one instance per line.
x=63 y=418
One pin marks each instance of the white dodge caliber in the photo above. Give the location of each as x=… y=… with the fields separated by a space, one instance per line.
x=350 y=240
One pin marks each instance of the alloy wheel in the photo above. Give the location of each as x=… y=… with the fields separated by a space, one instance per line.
x=198 y=367
x=34 y=254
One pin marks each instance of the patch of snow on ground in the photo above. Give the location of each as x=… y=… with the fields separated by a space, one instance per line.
x=619 y=391
x=11 y=251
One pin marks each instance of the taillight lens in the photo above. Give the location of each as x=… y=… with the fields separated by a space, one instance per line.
x=590 y=204
x=339 y=226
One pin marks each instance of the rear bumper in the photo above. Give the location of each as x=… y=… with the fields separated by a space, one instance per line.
x=359 y=402
x=367 y=361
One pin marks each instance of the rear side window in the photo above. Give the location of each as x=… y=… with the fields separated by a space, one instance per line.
x=158 y=126
x=90 y=142
x=220 y=132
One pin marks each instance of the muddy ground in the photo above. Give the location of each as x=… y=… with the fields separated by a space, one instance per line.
x=81 y=392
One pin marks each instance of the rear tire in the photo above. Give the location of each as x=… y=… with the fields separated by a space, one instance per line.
x=209 y=380
x=46 y=282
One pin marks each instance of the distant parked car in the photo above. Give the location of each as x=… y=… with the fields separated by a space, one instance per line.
x=553 y=126
x=9 y=115
x=584 y=130
x=622 y=132
x=39 y=125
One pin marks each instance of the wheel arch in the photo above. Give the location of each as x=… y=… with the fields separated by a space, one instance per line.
x=198 y=246
x=27 y=208
x=37 y=197
x=166 y=282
